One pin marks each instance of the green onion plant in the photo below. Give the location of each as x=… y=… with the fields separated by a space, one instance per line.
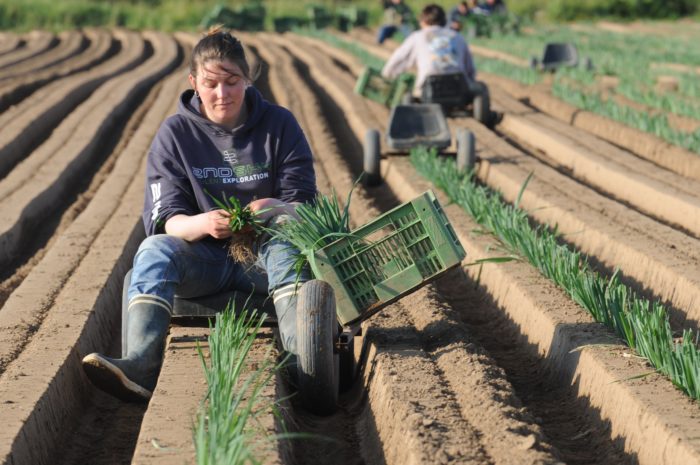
x=227 y=430
x=319 y=223
x=642 y=324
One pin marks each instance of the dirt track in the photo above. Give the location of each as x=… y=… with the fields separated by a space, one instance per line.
x=497 y=368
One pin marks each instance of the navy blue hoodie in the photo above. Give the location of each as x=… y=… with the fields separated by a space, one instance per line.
x=267 y=156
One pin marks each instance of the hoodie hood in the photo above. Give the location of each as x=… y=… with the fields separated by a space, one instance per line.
x=189 y=107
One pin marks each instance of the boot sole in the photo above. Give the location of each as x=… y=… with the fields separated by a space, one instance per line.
x=112 y=380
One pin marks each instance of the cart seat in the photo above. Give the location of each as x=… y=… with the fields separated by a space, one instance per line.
x=447 y=90
x=559 y=54
x=417 y=124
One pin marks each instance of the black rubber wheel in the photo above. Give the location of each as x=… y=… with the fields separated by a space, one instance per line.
x=466 y=150
x=317 y=364
x=482 y=106
x=372 y=157
x=125 y=311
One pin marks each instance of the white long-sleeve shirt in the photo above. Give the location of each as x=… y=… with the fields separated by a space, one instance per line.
x=431 y=50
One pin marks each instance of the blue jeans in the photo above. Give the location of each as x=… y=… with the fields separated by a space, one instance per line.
x=385 y=32
x=165 y=266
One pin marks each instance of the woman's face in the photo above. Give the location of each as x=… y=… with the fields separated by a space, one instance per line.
x=221 y=86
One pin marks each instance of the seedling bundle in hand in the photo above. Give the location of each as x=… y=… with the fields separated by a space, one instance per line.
x=245 y=225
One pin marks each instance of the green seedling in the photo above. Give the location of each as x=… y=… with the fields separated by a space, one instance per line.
x=241 y=217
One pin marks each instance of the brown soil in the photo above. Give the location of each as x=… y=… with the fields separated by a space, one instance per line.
x=487 y=365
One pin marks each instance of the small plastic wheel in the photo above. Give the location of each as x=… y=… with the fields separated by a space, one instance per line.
x=317 y=365
x=125 y=312
x=372 y=157
x=534 y=62
x=482 y=106
x=588 y=64
x=466 y=150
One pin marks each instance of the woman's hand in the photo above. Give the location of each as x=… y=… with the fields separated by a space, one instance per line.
x=269 y=207
x=216 y=224
x=193 y=228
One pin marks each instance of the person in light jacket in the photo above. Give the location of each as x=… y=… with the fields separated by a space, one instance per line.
x=433 y=49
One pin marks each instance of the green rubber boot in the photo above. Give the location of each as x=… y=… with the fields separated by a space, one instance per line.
x=133 y=378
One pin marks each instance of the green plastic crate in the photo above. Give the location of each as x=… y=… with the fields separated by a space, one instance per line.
x=372 y=85
x=388 y=258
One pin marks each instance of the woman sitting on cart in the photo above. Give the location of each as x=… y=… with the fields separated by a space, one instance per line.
x=225 y=140
x=432 y=50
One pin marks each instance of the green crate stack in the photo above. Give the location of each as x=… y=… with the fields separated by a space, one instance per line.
x=288 y=23
x=350 y=17
x=388 y=258
x=319 y=16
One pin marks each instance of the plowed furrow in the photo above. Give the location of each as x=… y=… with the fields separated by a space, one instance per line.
x=37 y=42
x=9 y=41
x=64 y=164
x=24 y=309
x=88 y=296
x=640 y=143
x=69 y=44
x=655 y=259
x=27 y=125
x=582 y=355
x=99 y=47
x=625 y=180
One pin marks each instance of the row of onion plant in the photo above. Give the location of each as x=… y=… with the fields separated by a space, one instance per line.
x=642 y=324
x=654 y=124
x=227 y=429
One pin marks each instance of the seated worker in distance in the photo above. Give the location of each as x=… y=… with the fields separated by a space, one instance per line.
x=397 y=17
x=456 y=15
x=224 y=140
x=433 y=49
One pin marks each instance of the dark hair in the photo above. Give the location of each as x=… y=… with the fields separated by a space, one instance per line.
x=219 y=45
x=433 y=15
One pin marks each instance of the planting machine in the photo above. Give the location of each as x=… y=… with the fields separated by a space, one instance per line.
x=356 y=276
x=414 y=123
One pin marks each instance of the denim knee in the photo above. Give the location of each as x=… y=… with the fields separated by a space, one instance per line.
x=278 y=258
x=159 y=248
